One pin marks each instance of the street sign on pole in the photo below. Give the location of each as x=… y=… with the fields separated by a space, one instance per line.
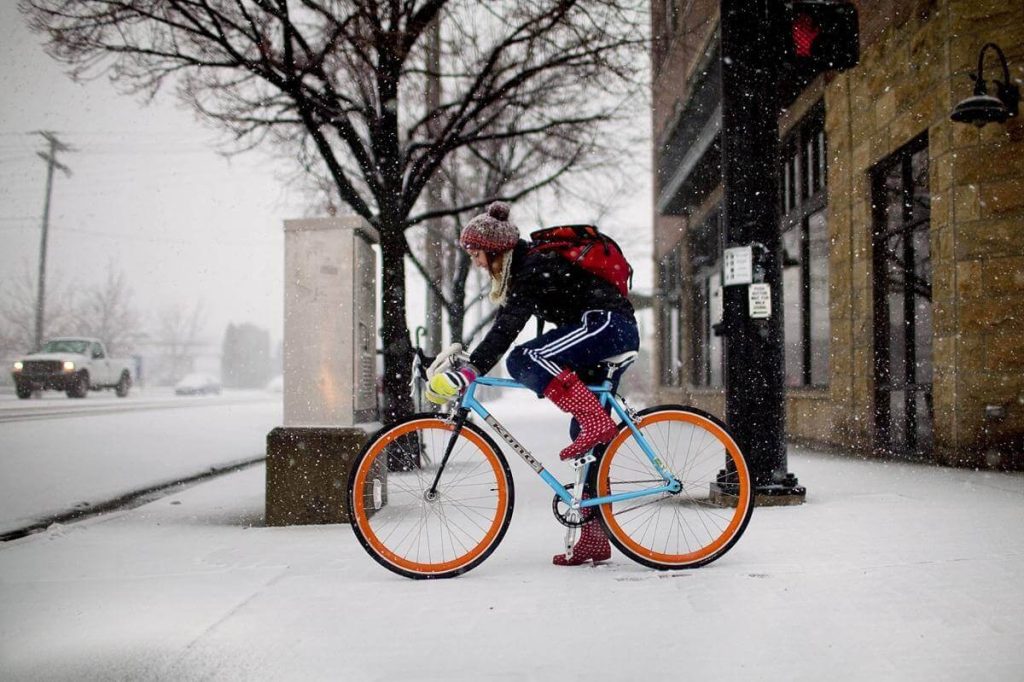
x=737 y=266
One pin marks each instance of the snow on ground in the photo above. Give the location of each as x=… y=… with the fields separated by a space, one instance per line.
x=889 y=572
x=51 y=465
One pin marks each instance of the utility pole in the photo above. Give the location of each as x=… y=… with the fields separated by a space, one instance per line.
x=752 y=275
x=51 y=162
x=434 y=241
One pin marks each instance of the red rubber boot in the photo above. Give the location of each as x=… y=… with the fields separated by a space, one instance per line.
x=592 y=546
x=571 y=395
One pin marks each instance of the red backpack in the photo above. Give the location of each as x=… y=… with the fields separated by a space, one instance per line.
x=586 y=247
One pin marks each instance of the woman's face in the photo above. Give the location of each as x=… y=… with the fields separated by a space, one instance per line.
x=478 y=257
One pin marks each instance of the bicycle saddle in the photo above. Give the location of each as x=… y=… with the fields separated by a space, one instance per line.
x=620 y=360
x=612 y=365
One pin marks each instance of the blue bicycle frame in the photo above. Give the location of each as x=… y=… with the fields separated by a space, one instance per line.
x=607 y=397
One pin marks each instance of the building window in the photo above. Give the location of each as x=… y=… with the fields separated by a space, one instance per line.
x=805 y=243
x=901 y=248
x=671 y=287
x=706 y=276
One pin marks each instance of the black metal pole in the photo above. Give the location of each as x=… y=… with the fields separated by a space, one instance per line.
x=752 y=49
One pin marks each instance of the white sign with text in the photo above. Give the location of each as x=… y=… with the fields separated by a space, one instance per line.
x=760 y=297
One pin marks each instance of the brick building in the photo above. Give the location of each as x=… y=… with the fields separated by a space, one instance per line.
x=903 y=234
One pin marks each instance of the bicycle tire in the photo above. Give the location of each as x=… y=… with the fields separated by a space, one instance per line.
x=407 y=531
x=676 y=530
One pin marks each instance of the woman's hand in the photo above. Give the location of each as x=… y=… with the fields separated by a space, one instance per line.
x=449 y=385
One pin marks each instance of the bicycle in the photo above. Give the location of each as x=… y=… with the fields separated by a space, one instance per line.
x=432 y=496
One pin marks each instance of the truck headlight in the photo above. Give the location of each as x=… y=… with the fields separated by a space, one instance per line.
x=69 y=366
x=18 y=366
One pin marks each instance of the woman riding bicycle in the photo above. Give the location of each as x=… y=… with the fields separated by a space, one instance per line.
x=593 y=321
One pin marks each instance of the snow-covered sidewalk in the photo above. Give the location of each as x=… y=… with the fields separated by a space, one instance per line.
x=889 y=572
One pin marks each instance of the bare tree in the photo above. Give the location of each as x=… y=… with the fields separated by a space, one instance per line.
x=106 y=312
x=499 y=167
x=341 y=82
x=18 y=313
x=177 y=335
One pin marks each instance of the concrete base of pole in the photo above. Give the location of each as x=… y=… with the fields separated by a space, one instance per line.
x=779 y=495
x=307 y=473
x=785 y=494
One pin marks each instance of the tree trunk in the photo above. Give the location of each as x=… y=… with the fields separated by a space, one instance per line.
x=397 y=403
x=457 y=308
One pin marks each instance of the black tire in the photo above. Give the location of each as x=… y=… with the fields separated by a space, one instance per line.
x=694 y=526
x=80 y=387
x=413 y=533
x=123 y=385
x=23 y=391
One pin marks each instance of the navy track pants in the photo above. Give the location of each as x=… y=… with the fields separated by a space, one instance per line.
x=599 y=335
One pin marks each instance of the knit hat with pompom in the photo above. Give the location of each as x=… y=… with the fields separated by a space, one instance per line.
x=491 y=231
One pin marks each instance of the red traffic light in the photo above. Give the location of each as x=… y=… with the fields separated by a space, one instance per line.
x=805 y=31
x=824 y=35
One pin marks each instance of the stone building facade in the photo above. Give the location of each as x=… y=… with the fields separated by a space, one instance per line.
x=903 y=234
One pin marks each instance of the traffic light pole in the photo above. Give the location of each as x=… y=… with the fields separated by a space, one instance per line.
x=752 y=276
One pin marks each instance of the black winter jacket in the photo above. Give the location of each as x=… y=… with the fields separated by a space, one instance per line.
x=550 y=287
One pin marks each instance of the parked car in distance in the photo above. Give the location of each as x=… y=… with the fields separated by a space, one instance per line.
x=75 y=365
x=197 y=383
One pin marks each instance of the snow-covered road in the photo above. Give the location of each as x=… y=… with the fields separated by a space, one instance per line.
x=59 y=455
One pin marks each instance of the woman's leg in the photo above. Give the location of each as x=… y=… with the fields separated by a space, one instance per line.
x=546 y=364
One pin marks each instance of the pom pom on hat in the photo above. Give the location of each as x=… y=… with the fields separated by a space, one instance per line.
x=499 y=210
x=491 y=231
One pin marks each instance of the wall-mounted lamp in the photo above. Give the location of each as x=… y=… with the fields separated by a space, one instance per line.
x=981 y=107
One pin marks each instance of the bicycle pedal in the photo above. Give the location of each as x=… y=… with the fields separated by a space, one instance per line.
x=580 y=462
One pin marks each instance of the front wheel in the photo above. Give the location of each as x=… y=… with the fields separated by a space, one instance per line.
x=689 y=528
x=23 y=390
x=80 y=386
x=417 y=531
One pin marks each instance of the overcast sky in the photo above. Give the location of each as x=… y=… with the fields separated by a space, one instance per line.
x=148 y=189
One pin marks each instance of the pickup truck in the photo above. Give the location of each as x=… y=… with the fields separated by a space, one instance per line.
x=73 y=365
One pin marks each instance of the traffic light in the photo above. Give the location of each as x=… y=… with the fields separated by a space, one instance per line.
x=823 y=36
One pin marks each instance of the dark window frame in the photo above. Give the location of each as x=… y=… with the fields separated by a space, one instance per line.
x=803 y=190
x=705 y=262
x=913 y=375
x=670 y=285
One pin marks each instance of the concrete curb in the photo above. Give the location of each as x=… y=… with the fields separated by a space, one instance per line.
x=129 y=500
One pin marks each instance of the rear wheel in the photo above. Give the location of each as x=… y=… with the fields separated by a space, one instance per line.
x=694 y=526
x=417 y=532
x=123 y=384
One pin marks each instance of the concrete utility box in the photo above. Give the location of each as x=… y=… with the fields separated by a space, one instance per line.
x=330 y=378
x=330 y=322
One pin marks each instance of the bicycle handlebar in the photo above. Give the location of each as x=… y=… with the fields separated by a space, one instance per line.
x=424 y=366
